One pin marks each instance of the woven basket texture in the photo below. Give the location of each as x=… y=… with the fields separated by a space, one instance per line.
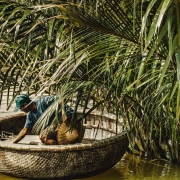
x=103 y=146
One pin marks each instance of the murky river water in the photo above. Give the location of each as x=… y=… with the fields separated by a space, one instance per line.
x=131 y=168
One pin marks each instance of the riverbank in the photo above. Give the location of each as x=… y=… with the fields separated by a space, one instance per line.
x=3 y=106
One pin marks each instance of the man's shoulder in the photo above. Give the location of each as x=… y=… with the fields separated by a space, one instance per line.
x=49 y=98
x=45 y=98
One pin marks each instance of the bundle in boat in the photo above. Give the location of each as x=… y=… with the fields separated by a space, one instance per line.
x=68 y=133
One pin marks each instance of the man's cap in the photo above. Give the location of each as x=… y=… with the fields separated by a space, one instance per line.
x=21 y=100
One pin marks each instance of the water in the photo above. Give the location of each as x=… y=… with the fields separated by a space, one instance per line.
x=132 y=168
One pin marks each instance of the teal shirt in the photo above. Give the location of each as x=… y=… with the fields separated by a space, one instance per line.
x=42 y=104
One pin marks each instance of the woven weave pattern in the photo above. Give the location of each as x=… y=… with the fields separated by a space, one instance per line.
x=101 y=148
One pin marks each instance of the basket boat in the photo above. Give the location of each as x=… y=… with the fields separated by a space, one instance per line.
x=103 y=145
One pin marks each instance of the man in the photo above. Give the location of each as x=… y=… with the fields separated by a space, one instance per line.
x=34 y=110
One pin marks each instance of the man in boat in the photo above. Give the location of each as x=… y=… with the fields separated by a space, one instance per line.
x=34 y=110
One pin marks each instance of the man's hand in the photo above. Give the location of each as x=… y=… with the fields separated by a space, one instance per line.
x=21 y=135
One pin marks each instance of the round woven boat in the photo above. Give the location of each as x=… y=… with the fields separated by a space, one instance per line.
x=103 y=145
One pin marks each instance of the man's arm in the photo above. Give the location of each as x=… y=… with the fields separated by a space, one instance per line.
x=21 y=135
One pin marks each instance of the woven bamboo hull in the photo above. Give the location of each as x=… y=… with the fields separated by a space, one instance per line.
x=84 y=159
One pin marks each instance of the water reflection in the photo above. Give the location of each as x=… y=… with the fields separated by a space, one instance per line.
x=131 y=168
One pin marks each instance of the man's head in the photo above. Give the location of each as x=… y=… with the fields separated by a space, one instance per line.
x=21 y=102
